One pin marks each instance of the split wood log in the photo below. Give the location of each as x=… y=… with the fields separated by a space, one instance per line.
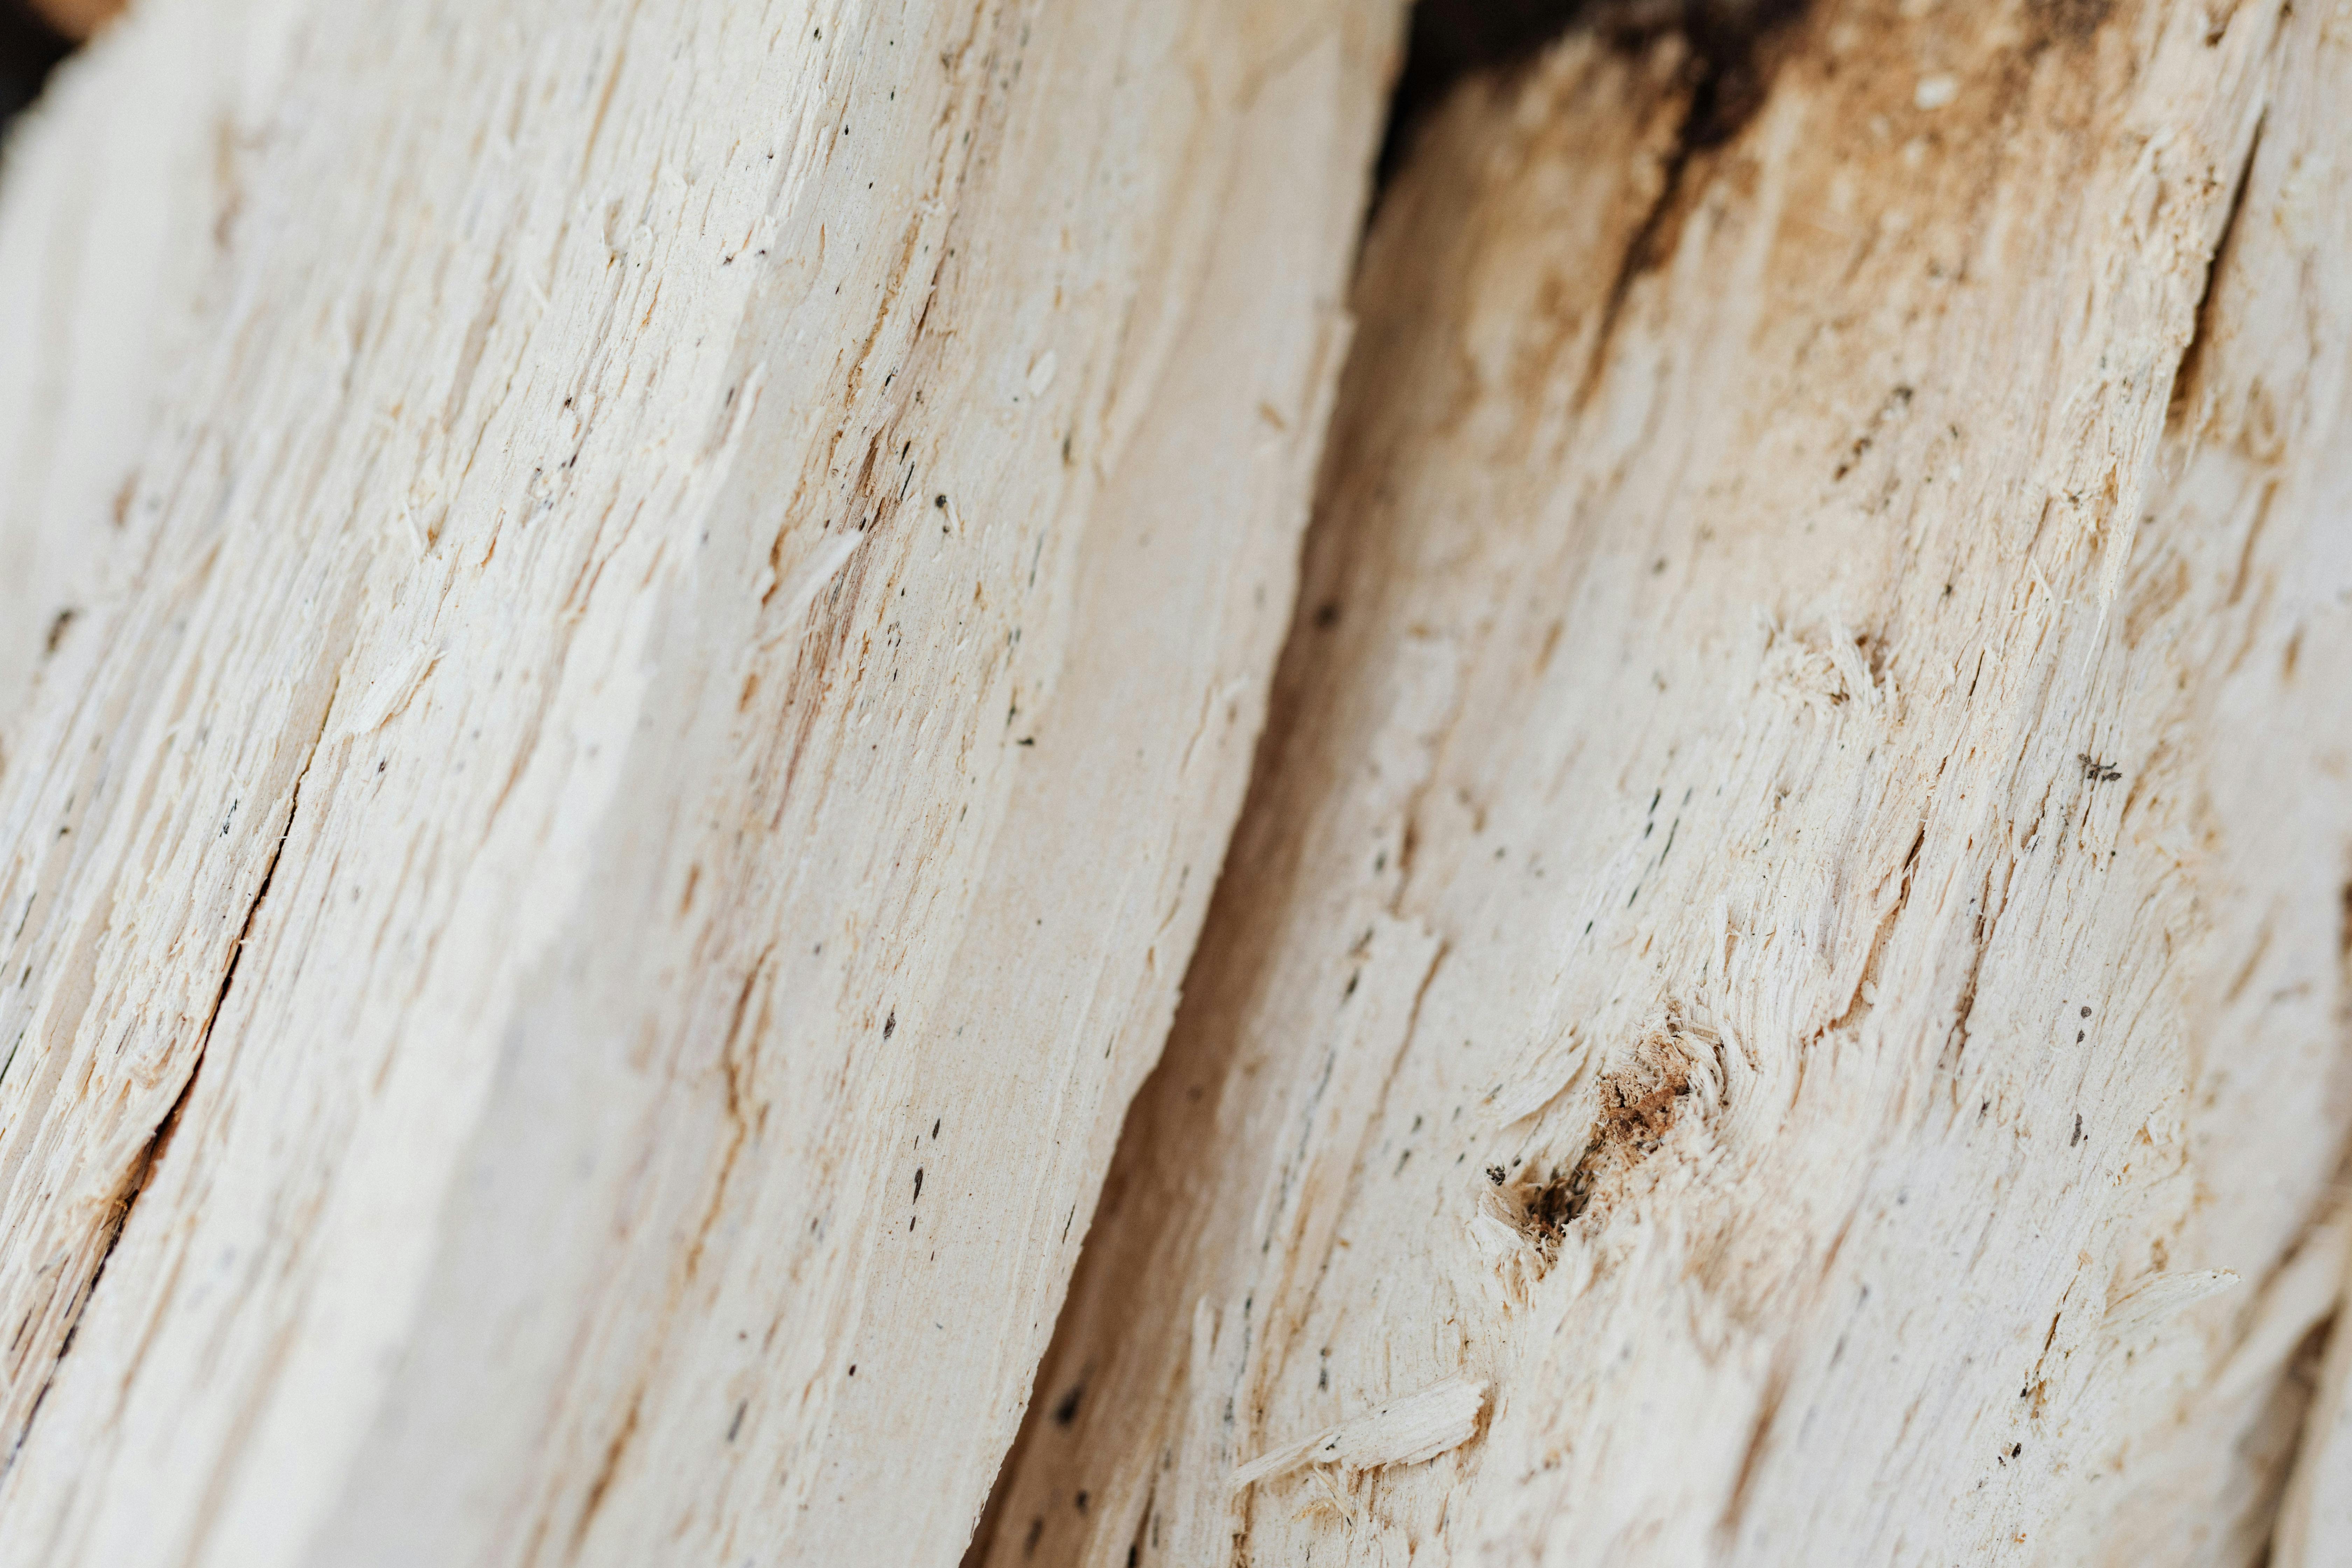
x=631 y=636
x=1790 y=920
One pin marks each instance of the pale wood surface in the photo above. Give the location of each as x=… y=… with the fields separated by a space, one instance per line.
x=108 y=230
x=628 y=637
x=680 y=603
x=1790 y=920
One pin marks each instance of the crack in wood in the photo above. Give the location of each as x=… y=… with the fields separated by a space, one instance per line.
x=1728 y=78
x=142 y=1171
x=2187 y=372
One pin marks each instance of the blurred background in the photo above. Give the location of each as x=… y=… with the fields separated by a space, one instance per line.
x=29 y=46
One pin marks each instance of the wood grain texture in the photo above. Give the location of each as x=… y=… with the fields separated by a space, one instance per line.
x=635 y=763
x=1790 y=919
x=108 y=234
